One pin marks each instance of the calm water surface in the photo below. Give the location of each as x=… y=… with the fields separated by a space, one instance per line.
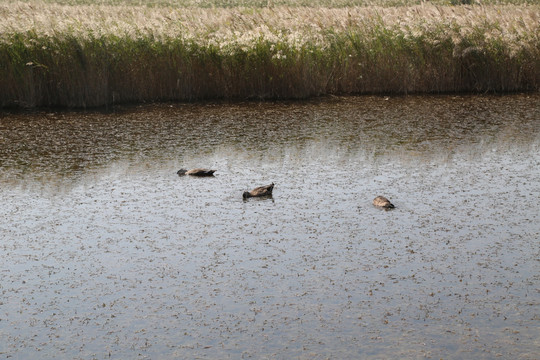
x=107 y=253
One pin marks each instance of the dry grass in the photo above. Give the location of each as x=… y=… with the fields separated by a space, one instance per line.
x=266 y=3
x=91 y=55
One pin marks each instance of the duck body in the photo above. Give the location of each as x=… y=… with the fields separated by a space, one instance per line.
x=196 y=172
x=383 y=202
x=259 y=191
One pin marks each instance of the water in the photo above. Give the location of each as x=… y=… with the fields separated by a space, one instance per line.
x=107 y=253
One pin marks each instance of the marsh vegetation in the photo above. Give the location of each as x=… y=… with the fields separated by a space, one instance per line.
x=81 y=55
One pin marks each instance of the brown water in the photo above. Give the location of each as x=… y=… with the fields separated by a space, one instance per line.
x=107 y=253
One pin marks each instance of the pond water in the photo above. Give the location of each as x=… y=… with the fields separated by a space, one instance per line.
x=107 y=253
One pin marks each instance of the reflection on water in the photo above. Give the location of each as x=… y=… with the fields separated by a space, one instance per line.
x=59 y=144
x=105 y=250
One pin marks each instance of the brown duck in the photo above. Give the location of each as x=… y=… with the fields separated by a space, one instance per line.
x=383 y=202
x=196 y=172
x=259 y=191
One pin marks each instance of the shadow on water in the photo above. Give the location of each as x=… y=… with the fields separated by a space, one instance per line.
x=105 y=250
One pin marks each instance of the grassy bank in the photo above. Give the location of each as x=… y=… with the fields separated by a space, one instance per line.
x=93 y=55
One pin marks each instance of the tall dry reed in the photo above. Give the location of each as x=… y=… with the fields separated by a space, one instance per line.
x=90 y=55
x=267 y=3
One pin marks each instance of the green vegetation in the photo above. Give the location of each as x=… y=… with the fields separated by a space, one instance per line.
x=93 y=55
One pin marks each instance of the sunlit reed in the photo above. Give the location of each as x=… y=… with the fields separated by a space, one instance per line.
x=93 y=55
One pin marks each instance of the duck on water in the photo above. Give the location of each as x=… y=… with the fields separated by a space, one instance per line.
x=196 y=172
x=381 y=201
x=259 y=191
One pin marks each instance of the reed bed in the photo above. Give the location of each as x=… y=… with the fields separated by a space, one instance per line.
x=95 y=55
x=289 y=3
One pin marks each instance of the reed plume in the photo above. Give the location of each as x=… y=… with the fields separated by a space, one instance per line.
x=95 y=55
